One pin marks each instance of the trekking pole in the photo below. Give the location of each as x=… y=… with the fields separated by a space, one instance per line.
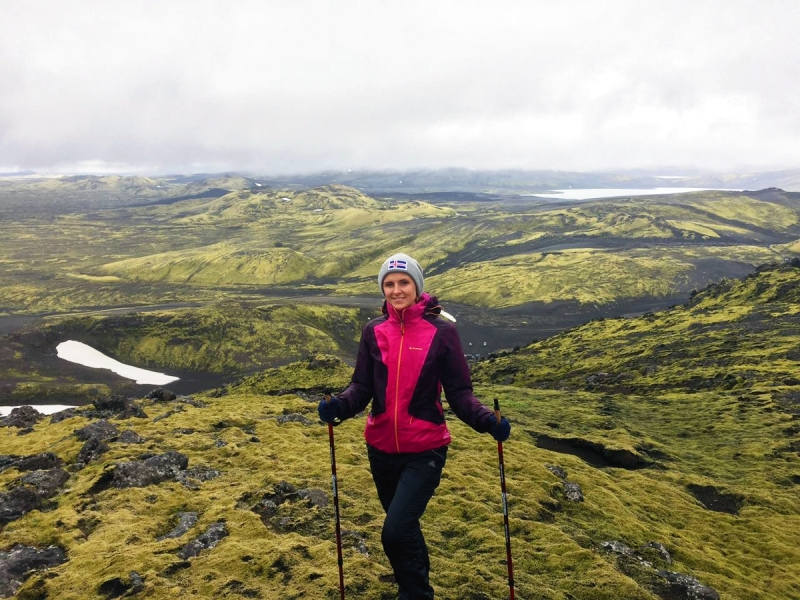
x=336 y=506
x=505 y=506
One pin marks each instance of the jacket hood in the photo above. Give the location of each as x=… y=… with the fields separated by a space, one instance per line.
x=427 y=305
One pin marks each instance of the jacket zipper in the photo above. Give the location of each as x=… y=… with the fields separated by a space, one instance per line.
x=397 y=383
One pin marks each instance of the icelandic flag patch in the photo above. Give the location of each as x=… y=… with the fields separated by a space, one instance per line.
x=398 y=264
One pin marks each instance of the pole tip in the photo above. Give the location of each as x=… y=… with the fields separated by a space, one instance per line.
x=496 y=404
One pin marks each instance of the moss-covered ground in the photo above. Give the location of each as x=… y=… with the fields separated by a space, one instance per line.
x=638 y=412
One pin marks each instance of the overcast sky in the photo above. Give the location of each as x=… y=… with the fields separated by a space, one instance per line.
x=294 y=86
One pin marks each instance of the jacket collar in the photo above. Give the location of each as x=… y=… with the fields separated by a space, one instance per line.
x=408 y=315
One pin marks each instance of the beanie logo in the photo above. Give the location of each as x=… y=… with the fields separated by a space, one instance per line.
x=398 y=264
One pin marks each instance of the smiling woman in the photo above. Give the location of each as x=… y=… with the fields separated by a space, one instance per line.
x=85 y=355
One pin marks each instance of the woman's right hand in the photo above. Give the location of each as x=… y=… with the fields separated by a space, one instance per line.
x=329 y=410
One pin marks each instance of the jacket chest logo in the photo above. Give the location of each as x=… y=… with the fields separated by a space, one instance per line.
x=414 y=348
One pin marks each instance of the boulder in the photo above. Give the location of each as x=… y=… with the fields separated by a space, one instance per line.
x=186 y=520
x=572 y=492
x=191 y=477
x=63 y=415
x=117 y=406
x=20 y=561
x=44 y=460
x=47 y=482
x=22 y=417
x=314 y=497
x=18 y=502
x=294 y=418
x=677 y=586
x=129 y=436
x=101 y=430
x=150 y=471
x=118 y=587
x=667 y=584
x=92 y=449
x=161 y=395
x=209 y=539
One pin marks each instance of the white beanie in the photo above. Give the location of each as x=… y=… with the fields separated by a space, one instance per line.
x=402 y=263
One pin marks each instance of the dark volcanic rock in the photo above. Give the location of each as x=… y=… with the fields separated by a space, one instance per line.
x=117 y=587
x=667 y=584
x=35 y=462
x=22 y=417
x=190 y=477
x=187 y=520
x=572 y=492
x=677 y=586
x=314 y=496
x=117 y=406
x=654 y=548
x=20 y=561
x=212 y=536
x=616 y=547
x=294 y=418
x=46 y=482
x=112 y=404
x=559 y=472
x=129 y=436
x=18 y=502
x=93 y=448
x=150 y=471
x=34 y=487
x=45 y=460
x=161 y=395
x=63 y=415
x=101 y=430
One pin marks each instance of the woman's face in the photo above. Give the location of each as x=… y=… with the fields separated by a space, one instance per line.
x=400 y=290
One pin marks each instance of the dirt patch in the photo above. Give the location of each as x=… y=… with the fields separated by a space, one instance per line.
x=716 y=500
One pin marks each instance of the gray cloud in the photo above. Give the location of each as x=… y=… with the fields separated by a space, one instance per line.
x=279 y=86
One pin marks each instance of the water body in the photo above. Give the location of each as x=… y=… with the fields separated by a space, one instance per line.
x=87 y=356
x=595 y=193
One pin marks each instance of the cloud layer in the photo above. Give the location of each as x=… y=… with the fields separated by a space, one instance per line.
x=290 y=86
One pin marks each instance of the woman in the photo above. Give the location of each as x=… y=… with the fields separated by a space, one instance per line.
x=406 y=358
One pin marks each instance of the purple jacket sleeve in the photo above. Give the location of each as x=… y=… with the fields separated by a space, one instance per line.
x=457 y=384
x=358 y=394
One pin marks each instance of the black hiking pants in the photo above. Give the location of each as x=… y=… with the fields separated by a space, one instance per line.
x=405 y=484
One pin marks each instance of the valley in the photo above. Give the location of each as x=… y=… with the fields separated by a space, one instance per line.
x=645 y=350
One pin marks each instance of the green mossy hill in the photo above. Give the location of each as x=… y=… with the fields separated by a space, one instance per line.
x=317 y=373
x=114 y=184
x=722 y=502
x=735 y=335
x=221 y=263
x=220 y=342
x=228 y=338
x=197 y=247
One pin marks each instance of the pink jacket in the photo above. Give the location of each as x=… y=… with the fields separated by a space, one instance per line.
x=404 y=362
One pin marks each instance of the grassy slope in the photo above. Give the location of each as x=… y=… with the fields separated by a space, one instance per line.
x=335 y=237
x=663 y=399
x=228 y=338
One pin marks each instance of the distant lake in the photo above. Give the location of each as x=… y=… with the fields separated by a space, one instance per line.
x=87 y=356
x=593 y=193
